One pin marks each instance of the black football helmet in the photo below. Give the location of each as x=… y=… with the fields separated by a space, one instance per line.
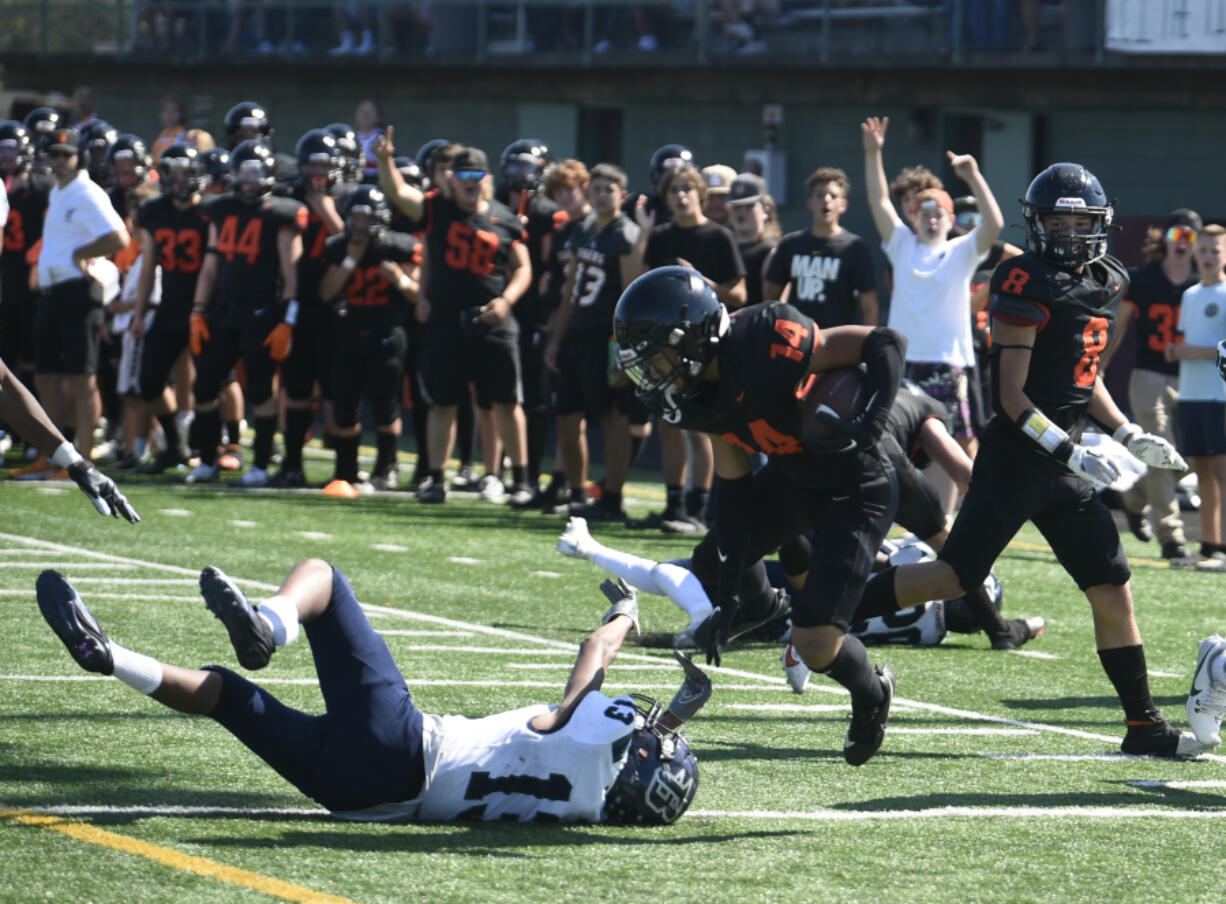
x=97 y=137
x=16 y=151
x=252 y=170
x=129 y=147
x=668 y=325
x=666 y=158
x=318 y=147
x=523 y=163
x=660 y=776
x=245 y=121
x=182 y=171
x=425 y=157
x=216 y=169
x=1067 y=188
x=410 y=172
x=349 y=149
x=41 y=122
x=370 y=201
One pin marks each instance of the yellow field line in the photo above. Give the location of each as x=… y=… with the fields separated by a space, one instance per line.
x=201 y=866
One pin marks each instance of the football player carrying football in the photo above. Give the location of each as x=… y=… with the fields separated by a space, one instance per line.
x=1053 y=310
x=736 y=379
x=373 y=755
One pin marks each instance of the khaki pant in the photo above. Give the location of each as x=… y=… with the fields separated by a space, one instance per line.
x=1152 y=396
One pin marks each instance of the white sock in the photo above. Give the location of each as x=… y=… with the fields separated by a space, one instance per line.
x=136 y=670
x=281 y=613
x=682 y=587
x=634 y=570
x=139 y=445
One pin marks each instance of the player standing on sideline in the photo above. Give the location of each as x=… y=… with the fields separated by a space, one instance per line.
x=374 y=756
x=1053 y=311
x=735 y=380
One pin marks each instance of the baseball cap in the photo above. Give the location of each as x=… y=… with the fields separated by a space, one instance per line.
x=1185 y=216
x=746 y=189
x=471 y=159
x=718 y=178
x=939 y=195
x=64 y=140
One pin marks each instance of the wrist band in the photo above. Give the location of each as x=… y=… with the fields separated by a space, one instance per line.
x=349 y=263
x=291 y=312
x=1046 y=435
x=404 y=284
x=1123 y=431
x=65 y=455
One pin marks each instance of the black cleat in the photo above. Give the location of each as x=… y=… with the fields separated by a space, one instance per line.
x=867 y=729
x=745 y=623
x=1154 y=736
x=72 y=623
x=1021 y=630
x=250 y=634
x=1139 y=525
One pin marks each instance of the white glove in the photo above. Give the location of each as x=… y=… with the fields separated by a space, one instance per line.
x=624 y=601
x=1221 y=359
x=1092 y=465
x=1153 y=450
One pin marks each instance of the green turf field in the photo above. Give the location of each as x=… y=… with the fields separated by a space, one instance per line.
x=999 y=781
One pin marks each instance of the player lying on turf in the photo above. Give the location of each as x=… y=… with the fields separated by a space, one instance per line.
x=373 y=755
x=680 y=581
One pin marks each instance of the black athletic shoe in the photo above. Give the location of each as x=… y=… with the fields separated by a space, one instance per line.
x=745 y=623
x=250 y=634
x=287 y=480
x=72 y=623
x=166 y=460
x=1140 y=526
x=1154 y=736
x=1021 y=630
x=867 y=729
x=596 y=510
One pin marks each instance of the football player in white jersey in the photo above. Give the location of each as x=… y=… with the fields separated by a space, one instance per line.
x=373 y=755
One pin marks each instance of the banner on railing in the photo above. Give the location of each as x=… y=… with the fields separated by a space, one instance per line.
x=1172 y=26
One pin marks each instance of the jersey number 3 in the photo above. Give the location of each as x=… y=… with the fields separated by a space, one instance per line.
x=1093 y=341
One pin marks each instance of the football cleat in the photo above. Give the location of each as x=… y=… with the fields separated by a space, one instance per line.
x=687 y=639
x=39 y=469
x=780 y=607
x=795 y=670
x=1021 y=630
x=465 y=481
x=598 y=510
x=250 y=634
x=1154 y=736
x=288 y=480
x=432 y=493
x=522 y=496
x=388 y=480
x=492 y=489
x=253 y=479
x=867 y=729
x=1207 y=699
x=203 y=473
x=575 y=541
x=166 y=460
x=72 y=623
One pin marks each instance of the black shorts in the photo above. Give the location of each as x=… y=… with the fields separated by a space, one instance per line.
x=164 y=342
x=1202 y=428
x=1010 y=485
x=367 y=748
x=584 y=376
x=919 y=504
x=68 y=328
x=486 y=356
x=369 y=364
x=312 y=355
x=230 y=342
x=18 y=311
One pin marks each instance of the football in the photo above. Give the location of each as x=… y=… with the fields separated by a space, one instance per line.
x=841 y=391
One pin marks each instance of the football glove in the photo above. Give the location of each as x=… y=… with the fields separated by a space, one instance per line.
x=624 y=601
x=279 y=341
x=719 y=630
x=1093 y=466
x=199 y=327
x=1221 y=359
x=101 y=491
x=1149 y=448
x=855 y=435
x=694 y=692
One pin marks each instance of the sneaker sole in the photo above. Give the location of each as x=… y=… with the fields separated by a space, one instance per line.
x=72 y=623
x=250 y=637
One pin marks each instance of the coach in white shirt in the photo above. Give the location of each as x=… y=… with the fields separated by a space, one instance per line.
x=80 y=230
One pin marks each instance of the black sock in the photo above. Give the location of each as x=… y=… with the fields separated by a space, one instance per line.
x=347 y=457
x=878 y=597
x=538 y=434
x=70 y=434
x=265 y=433
x=519 y=475
x=696 y=500
x=174 y=445
x=852 y=669
x=984 y=611
x=207 y=427
x=674 y=501
x=612 y=500
x=297 y=423
x=577 y=495
x=233 y=437
x=958 y=618
x=1125 y=666
x=557 y=482
x=385 y=458
x=436 y=477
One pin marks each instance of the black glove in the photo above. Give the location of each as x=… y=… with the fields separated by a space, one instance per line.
x=855 y=435
x=101 y=490
x=719 y=630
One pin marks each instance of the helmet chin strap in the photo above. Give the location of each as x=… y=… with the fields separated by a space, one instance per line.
x=672 y=413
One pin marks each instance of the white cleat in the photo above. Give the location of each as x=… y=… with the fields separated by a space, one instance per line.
x=795 y=669
x=253 y=479
x=575 y=541
x=688 y=639
x=1207 y=699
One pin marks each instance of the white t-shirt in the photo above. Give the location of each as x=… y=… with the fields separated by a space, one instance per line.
x=931 y=301
x=499 y=767
x=77 y=214
x=4 y=204
x=1202 y=320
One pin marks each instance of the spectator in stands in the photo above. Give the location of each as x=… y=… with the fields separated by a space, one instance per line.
x=352 y=17
x=1153 y=301
x=756 y=234
x=825 y=271
x=931 y=303
x=718 y=178
x=1202 y=395
x=83 y=107
x=368 y=125
x=173 y=116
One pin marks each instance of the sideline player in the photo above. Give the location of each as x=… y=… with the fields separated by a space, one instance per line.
x=373 y=756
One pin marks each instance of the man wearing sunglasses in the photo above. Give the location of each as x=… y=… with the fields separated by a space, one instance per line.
x=476 y=268
x=80 y=229
x=1153 y=301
